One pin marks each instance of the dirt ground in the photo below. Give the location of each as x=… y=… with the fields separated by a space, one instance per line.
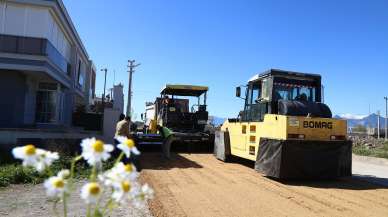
x=200 y=185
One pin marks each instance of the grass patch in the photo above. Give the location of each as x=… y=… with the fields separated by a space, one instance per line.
x=17 y=174
x=381 y=151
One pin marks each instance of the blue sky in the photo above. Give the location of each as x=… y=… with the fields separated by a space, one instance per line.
x=223 y=43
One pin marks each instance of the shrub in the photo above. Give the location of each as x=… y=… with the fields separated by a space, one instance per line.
x=381 y=151
x=17 y=174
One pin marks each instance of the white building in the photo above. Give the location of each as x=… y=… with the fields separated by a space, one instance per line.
x=45 y=71
x=118 y=98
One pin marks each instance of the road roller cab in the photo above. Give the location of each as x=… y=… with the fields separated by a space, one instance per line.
x=286 y=129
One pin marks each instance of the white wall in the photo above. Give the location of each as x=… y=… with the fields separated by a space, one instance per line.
x=14 y=20
x=118 y=98
x=2 y=16
x=111 y=117
x=32 y=21
x=36 y=22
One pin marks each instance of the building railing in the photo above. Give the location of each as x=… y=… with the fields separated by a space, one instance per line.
x=34 y=46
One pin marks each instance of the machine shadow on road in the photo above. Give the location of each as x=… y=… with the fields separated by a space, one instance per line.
x=356 y=182
x=156 y=161
x=348 y=183
x=372 y=179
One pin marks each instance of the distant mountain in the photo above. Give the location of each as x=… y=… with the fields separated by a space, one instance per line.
x=366 y=121
x=353 y=120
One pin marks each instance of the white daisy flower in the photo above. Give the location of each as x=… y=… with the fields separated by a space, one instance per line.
x=121 y=191
x=119 y=173
x=55 y=186
x=127 y=146
x=90 y=192
x=64 y=174
x=45 y=159
x=140 y=195
x=147 y=192
x=95 y=151
x=35 y=157
x=126 y=171
x=28 y=153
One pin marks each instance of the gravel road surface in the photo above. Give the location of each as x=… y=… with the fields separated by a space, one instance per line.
x=200 y=185
x=31 y=200
x=371 y=169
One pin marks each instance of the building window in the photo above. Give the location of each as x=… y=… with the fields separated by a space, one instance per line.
x=81 y=74
x=46 y=101
x=93 y=86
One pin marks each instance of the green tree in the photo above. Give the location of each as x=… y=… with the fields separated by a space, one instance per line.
x=359 y=129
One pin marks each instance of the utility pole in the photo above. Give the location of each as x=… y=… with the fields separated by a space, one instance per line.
x=131 y=70
x=103 y=97
x=114 y=77
x=386 y=116
x=378 y=124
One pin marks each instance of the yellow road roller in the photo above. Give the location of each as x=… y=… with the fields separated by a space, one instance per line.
x=286 y=129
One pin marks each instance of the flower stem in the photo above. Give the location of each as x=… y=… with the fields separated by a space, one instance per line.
x=55 y=208
x=49 y=172
x=64 y=205
x=93 y=175
x=106 y=206
x=88 y=211
x=73 y=162
x=119 y=158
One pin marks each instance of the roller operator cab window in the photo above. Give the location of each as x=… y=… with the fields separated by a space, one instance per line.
x=255 y=93
x=293 y=92
x=265 y=89
x=255 y=105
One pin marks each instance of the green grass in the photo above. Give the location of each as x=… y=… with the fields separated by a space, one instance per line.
x=381 y=152
x=15 y=173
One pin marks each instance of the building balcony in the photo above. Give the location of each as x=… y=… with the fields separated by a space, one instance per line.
x=34 y=46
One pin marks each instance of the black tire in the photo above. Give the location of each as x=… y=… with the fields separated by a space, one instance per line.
x=222 y=146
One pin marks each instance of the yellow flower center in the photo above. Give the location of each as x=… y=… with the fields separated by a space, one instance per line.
x=130 y=143
x=58 y=183
x=98 y=146
x=128 y=168
x=30 y=150
x=94 y=188
x=126 y=186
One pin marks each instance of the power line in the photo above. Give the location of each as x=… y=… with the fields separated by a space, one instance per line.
x=114 y=77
